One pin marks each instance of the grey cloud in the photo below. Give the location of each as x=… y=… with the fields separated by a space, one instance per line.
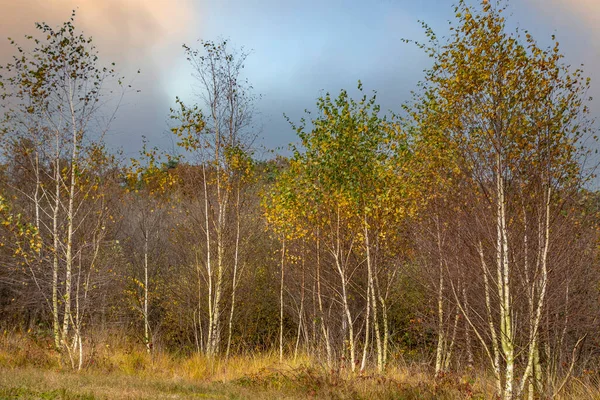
x=301 y=48
x=135 y=34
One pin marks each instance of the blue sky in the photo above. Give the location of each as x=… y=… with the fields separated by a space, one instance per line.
x=299 y=49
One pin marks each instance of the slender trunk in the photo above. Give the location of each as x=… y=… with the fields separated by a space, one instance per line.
x=146 y=319
x=386 y=330
x=530 y=290
x=544 y=239
x=218 y=289
x=201 y=332
x=313 y=342
x=36 y=195
x=70 y=218
x=363 y=363
x=196 y=336
x=301 y=311
x=490 y=321
x=450 y=347
x=373 y=300
x=77 y=345
x=200 y=345
x=235 y=271
x=348 y=316
x=216 y=328
x=282 y=271
x=341 y=270
x=383 y=296
x=468 y=345
x=506 y=334
x=80 y=365
x=81 y=310
x=324 y=329
x=55 y=257
x=68 y=262
x=441 y=342
x=209 y=274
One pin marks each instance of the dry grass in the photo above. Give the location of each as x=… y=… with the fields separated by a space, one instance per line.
x=30 y=369
x=272 y=383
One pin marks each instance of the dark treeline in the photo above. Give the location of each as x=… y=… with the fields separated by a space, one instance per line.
x=461 y=232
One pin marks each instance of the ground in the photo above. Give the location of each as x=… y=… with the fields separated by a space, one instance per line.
x=40 y=383
x=31 y=369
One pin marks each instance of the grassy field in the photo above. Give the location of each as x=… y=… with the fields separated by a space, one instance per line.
x=285 y=383
x=29 y=369
x=277 y=382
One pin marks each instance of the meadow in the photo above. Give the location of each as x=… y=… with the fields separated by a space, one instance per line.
x=31 y=369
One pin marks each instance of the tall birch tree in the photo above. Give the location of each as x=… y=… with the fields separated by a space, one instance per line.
x=218 y=130
x=55 y=98
x=517 y=116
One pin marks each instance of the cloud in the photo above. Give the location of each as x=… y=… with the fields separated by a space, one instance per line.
x=121 y=28
x=577 y=24
x=587 y=10
x=578 y=14
x=136 y=34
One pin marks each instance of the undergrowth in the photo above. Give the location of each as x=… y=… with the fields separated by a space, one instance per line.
x=31 y=369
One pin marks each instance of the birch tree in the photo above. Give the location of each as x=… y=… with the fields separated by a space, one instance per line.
x=219 y=132
x=348 y=181
x=517 y=117
x=54 y=97
x=147 y=205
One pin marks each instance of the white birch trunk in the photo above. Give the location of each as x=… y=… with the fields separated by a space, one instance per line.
x=324 y=329
x=70 y=219
x=372 y=298
x=363 y=363
x=146 y=283
x=282 y=271
x=235 y=272
x=55 y=250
